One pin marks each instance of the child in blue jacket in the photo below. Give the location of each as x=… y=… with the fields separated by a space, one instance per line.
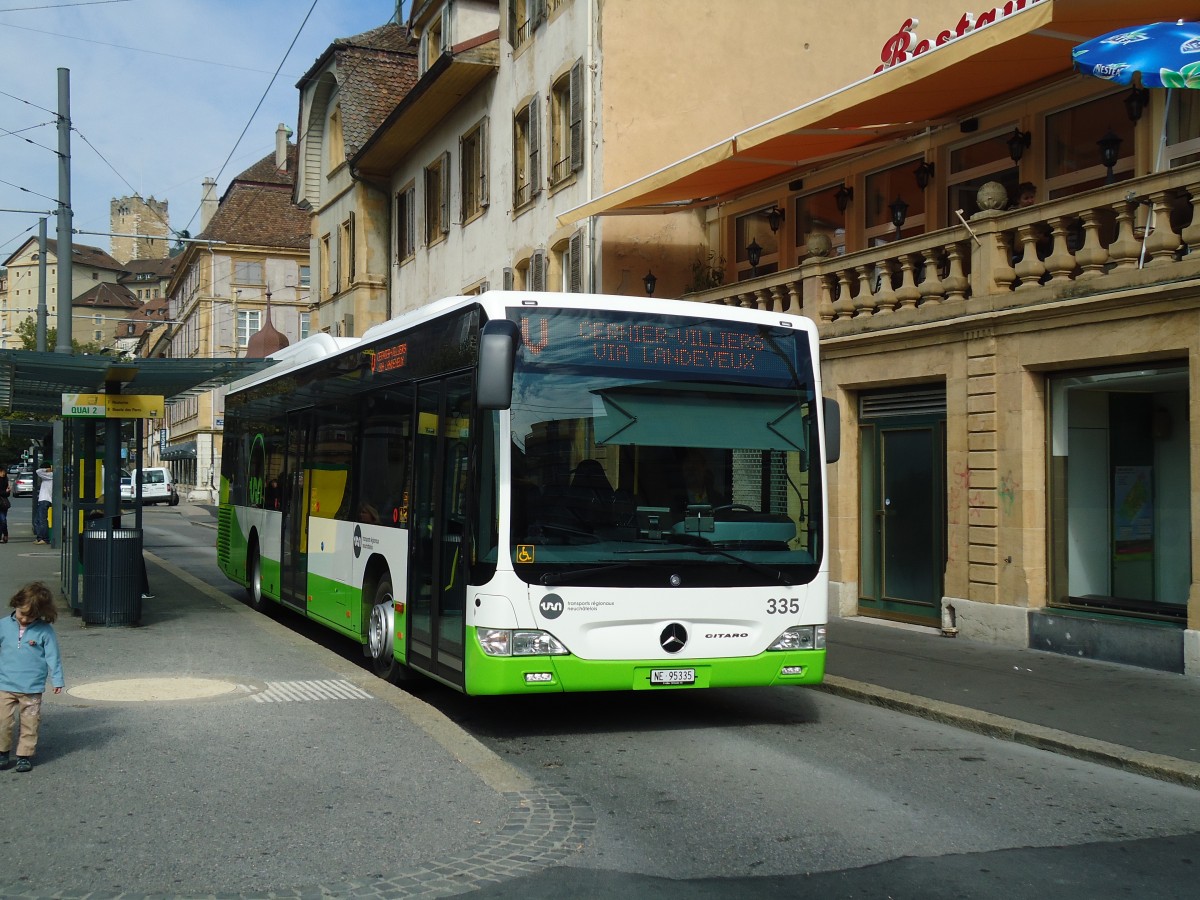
x=28 y=655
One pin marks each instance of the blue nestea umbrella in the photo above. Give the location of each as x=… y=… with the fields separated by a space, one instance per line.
x=1164 y=54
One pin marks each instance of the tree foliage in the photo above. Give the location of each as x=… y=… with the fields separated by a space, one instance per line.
x=27 y=332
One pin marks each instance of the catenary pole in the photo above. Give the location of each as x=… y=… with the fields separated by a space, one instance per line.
x=65 y=250
x=40 y=332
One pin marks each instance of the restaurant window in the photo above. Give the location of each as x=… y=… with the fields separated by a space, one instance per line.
x=883 y=190
x=1072 y=152
x=1183 y=128
x=972 y=166
x=752 y=233
x=815 y=218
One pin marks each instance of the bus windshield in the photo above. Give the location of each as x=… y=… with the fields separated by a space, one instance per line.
x=652 y=450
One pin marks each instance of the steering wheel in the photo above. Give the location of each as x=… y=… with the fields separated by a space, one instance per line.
x=739 y=507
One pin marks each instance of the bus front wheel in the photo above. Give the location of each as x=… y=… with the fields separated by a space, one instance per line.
x=381 y=632
x=254 y=581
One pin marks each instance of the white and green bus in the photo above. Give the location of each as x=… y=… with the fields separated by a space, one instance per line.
x=542 y=492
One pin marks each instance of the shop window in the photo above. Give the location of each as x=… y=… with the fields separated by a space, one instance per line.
x=1119 y=491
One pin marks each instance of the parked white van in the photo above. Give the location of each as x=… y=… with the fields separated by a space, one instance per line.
x=157 y=487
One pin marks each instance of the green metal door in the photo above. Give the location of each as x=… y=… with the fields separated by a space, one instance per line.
x=903 y=517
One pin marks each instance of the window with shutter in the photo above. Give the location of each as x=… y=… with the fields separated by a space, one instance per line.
x=473 y=166
x=406 y=223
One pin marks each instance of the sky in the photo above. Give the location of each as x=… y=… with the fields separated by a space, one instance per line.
x=161 y=91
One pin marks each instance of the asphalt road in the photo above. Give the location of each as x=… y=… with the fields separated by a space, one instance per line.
x=791 y=792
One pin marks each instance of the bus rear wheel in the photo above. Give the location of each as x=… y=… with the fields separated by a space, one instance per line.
x=381 y=632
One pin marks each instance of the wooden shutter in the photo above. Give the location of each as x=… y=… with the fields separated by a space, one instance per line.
x=535 y=149
x=537 y=271
x=484 y=156
x=445 y=202
x=351 y=257
x=575 y=263
x=576 y=89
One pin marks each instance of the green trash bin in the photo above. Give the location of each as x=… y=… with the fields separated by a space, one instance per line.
x=112 y=575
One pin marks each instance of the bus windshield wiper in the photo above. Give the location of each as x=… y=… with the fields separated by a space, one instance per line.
x=695 y=544
x=549 y=578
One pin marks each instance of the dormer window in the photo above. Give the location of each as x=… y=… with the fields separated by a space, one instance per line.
x=435 y=39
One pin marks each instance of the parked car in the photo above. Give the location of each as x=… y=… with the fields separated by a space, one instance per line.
x=22 y=485
x=157 y=487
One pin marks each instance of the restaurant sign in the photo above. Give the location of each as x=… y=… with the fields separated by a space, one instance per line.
x=905 y=44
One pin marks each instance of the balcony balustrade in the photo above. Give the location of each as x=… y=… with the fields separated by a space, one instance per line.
x=1134 y=234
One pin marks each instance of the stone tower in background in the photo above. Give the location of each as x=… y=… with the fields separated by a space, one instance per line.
x=133 y=215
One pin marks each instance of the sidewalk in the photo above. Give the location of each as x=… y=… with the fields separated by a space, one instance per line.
x=1136 y=719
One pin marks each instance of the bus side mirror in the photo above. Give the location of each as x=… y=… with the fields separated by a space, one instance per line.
x=833 y=430
x=498 y=345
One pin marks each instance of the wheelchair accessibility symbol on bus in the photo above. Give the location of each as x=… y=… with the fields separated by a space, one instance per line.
x=524 y=553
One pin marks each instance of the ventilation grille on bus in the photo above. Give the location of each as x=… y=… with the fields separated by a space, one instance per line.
x=224 y=521
x=931 y=402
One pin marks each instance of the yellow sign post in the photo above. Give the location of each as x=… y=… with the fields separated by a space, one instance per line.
x=112 y=406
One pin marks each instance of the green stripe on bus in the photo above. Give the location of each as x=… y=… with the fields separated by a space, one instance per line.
x=487 y=675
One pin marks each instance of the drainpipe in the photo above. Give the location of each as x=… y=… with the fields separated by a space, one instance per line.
x=593 y=221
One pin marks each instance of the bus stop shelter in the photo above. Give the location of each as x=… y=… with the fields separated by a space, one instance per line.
x=84 y=441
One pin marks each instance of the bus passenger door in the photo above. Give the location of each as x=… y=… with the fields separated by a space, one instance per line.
x=293 y=576
x=437 y=575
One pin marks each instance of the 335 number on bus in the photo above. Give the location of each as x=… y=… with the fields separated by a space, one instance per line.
x=783 y=606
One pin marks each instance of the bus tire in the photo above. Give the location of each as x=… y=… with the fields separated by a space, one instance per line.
x=254 y=592
x=381 y=632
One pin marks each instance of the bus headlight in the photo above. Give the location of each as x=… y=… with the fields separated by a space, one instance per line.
x=801 y=637
x=506 y=642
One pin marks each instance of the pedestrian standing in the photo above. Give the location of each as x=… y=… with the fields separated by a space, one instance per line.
x=28 y=657
x=41 y=520
x=5 y=503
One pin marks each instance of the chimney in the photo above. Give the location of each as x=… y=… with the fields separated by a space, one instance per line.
x=282 y=133
x=208 y=201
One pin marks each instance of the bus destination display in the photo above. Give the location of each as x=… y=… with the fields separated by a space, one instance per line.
x=666 y=346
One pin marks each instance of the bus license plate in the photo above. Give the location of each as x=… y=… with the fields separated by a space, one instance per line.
x=672 y=676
